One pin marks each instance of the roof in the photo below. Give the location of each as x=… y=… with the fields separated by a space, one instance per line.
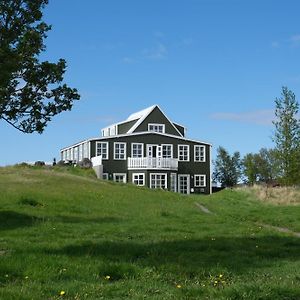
x=135 y=133
x=141 y=114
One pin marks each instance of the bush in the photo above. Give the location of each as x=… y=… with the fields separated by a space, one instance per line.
x=39 y=163
x=85 y=164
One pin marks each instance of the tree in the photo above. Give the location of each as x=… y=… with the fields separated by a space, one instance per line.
x=31 y=92
x=261 y=167
x=227 y=168
x=250 y=167
x=287 y=136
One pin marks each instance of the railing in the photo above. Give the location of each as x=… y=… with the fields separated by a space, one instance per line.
x=152 y=163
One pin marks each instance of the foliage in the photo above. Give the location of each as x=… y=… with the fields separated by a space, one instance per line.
x=261 y=167
x=227 y=169
x=92 y=239
x=287 y=136
x=31 y=91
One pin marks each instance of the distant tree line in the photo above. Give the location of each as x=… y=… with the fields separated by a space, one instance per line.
x=278 y=165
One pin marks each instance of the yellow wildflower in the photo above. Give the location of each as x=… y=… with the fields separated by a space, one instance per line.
x=62 y=293
x=178 y=286
x=107 y=277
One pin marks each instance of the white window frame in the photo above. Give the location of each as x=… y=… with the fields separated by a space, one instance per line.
x=173 y=183
x=120 y=174
x=188 y=187
x=104 y=157
x=139 y=144
x=105 y=176
x=75 y=155
x=198 y=157
x=198 y=178
x=156 y=126
x=162 y=150
x=188 y=152
x=156 y=174
x=118 y=158
x=138 y=179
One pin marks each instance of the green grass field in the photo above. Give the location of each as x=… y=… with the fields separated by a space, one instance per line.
x=66 y=235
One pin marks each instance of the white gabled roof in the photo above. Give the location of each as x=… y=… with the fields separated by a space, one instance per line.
x=141 y=114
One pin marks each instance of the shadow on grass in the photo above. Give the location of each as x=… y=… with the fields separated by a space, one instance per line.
x=12 y=220
x=236 y=254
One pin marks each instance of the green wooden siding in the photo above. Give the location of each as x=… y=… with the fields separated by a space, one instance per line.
x=157 y=117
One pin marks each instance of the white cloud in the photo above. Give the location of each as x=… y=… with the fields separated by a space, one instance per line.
x=128 y=60
x=156 y=53
x=275 y=44
x=295 y=38
x=258 y=117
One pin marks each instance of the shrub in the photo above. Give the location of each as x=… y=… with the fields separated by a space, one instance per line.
x=85 y=164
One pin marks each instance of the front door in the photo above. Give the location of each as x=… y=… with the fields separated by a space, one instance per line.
x=184 y=184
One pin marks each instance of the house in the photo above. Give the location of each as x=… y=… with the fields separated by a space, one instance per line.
x=148 y=149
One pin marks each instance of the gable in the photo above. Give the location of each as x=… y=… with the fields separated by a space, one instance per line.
x=156 y=116
x=125 y=127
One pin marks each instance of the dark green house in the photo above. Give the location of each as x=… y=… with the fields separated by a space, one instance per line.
x=148 y=149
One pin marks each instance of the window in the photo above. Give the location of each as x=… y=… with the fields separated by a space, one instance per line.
x=120 y=177
x=138 y=178
x=80 y=157
x=167 y=151
x=156 y=127
x=184 y=183
x=120 y=151
x=158 y=181
x=75 y=154
x=102 y=149
x=105 y=176
x=199 y=153
x=137 y=149
x=200 y=180
x=173 y=182
x=183 y=152
x=85 y=150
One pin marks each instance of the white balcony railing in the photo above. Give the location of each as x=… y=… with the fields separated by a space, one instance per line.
x=152 y=163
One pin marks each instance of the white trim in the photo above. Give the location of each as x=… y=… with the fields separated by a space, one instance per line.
x=204 y=153
x=157 y=125
x=188 y=188
x=137 y=144
x=137 y=133
x=172 y=153
x=120 y=174
x=210 y=168
x=107 y=150
x=184 y=145
x=121 y=143
x=204 y=180
x=138 y=174
x=142 y=119
x=166 y=180
x=174 y=176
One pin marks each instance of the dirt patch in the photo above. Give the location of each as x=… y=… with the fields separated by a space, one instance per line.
x=280 y=229
x=203 y=208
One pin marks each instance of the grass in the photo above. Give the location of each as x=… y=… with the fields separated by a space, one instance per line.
x=278 y=195
x=66 y=235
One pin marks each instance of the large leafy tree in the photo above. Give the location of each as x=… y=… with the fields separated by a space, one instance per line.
x=31 y=91
x=287 y=136
x=261 y=167
x=227 y=169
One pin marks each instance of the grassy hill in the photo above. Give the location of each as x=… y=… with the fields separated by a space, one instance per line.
x=66 y=235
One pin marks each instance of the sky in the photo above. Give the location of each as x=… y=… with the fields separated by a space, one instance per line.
x=213 y=66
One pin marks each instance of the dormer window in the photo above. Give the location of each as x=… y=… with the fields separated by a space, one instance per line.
x=156 y=127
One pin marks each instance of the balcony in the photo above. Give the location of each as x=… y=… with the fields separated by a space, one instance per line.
x=158 y=163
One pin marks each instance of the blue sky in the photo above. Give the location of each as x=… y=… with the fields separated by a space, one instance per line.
x=214 y=66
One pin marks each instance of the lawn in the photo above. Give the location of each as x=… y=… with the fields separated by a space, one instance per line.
x=66 y=235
